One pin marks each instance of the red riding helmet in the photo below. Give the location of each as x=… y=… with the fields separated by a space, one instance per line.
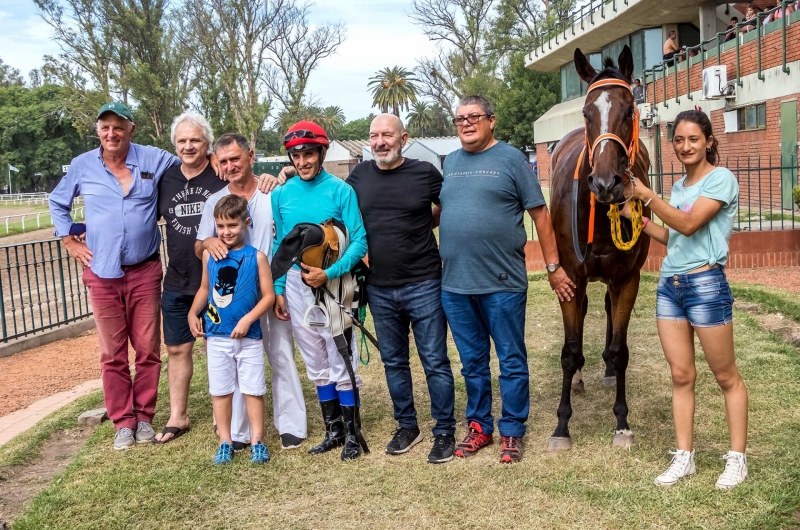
x=305 y=135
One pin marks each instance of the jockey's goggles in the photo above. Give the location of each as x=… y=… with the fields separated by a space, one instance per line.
x=303 y=135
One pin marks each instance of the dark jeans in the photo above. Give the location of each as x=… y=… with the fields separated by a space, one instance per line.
x=473 y=320
x=420 y=305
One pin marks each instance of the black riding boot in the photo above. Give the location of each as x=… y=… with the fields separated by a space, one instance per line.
x=334 y=427
x=352 y=423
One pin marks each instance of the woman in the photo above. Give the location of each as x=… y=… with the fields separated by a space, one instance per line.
x=693 y=294
x=780 y=13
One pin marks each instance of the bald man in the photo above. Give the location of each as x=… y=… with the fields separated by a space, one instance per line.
x=397 y=197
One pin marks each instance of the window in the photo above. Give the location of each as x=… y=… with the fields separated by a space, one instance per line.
x=571 y=85
x=670 y=131
x=752 y=117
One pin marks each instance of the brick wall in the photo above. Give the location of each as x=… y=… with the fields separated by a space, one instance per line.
x=771 y=248
x=543 y=163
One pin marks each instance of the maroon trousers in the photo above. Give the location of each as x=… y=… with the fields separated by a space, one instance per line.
x=128 y=308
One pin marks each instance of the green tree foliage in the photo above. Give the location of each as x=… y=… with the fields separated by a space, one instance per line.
x=393 y=89
x=526 y=95
x=420 y=119
x=333 y=120
x=356 y=129
x=9 y=76
x=36 y=136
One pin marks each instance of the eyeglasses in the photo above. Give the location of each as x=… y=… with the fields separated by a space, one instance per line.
x=303 y=135
x=472 y=119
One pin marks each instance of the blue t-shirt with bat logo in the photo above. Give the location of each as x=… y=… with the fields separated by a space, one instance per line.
x=233 y=292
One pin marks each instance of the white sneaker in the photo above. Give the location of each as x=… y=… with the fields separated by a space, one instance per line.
x=735 y=470
x=682 y=465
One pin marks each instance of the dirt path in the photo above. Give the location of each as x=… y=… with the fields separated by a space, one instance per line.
x=35 y=235
x=20 y=484
x=787 y=278
x=41 y=372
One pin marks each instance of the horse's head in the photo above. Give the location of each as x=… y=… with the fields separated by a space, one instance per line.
x=609 y=116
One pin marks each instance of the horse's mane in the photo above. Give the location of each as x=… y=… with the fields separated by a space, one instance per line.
x=610 y=71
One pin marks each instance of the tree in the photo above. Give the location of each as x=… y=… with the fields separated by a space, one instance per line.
x=332 y=120
x=36 y=135
x=296 y=51
x=465 y=63
x=442 y=121
x=393 y=88
x=234 y=37
x=420 y=118
x=356 y=129
x=522 y=25
x=9 y=76
x=527 y=95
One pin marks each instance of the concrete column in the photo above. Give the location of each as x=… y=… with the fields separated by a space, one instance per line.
x=708 y=20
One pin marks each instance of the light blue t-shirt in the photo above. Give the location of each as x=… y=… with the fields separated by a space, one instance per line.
x=709 y=245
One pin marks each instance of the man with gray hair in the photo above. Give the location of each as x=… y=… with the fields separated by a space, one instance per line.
x=488 y=186
x=182 y=192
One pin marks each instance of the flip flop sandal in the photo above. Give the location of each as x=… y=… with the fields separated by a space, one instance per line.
x=174 y=431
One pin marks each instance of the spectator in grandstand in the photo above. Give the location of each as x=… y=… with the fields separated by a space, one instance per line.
x=750 y=18
x=638 y=91
x=671 y=46
x=731 y=29
x=780 y=13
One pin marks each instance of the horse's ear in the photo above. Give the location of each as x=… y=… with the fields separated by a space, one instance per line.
x=585 y=70
x=625 y=62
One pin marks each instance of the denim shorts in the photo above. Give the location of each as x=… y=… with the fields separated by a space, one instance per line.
x=175 y=312
x=703 y=298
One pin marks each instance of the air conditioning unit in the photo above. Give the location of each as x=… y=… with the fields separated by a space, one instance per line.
x=715 y=83
x=645 y=111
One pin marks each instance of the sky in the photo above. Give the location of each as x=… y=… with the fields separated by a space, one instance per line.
x=379 y=34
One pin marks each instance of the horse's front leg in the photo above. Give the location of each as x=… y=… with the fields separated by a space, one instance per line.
x=572 y=361
x=623 y=297
x=610 y=375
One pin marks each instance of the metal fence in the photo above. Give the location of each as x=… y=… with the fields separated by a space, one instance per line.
x=765 y=190
x=41 y=287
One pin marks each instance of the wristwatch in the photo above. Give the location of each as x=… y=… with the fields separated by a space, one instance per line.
x=552 y=267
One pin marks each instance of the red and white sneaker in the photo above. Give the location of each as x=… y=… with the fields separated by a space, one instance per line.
x=474 y=441
x=512 y=449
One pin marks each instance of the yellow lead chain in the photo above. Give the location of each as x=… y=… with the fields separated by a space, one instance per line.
x=616 y=225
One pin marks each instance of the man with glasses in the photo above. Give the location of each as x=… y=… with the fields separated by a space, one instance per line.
x=488 y=186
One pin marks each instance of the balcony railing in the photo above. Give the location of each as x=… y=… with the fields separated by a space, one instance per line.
x=580 y=17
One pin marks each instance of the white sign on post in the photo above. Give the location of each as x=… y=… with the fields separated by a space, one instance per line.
x=65 y=168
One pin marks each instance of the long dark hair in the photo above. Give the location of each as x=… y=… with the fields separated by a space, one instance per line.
x=699 y=118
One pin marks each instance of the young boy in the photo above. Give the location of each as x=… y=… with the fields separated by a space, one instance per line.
x=229 y=295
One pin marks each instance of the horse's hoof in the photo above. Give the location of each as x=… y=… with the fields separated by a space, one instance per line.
x=578 y=388
x=610 y=380
x=624 y=439
x=559 y=443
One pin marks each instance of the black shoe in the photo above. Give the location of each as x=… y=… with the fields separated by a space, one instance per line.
x=403 y=440
x=354 y=443
x=240 y=446
x=334 y=427
x=290 y=441
x=444 y=445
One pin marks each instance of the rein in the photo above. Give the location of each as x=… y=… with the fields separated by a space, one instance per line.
x=636 y=206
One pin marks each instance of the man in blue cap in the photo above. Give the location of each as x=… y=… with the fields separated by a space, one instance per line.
x=122 y=267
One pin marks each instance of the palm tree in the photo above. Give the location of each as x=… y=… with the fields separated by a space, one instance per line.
x=421 y=117
x=393 y=88
x=332 y=120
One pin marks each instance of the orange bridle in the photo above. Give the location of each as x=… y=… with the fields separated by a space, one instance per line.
x=631 y=150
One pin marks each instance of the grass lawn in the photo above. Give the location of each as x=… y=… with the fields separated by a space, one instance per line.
x=592 y=486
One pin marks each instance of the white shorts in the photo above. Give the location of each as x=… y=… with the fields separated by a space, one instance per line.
x=231 y=360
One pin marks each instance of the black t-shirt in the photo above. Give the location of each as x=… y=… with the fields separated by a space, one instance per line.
x=396 y=208
x=180 y=203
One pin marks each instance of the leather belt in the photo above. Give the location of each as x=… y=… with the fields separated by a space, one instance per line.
x=156 y=256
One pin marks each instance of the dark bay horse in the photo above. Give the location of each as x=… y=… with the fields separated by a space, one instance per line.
x=597 y=159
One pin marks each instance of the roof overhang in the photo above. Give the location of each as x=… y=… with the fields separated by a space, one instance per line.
x=613 y=22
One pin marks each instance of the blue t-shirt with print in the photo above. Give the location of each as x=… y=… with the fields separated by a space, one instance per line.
x=233 y=292
x=709 y=245
x=481 y=235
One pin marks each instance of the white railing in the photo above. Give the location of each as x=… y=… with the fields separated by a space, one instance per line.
x=77 y=214
x=30 y=199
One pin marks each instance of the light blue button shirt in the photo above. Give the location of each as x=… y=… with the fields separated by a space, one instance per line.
x=120 y=229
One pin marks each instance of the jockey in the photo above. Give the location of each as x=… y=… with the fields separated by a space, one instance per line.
x=314 y=198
